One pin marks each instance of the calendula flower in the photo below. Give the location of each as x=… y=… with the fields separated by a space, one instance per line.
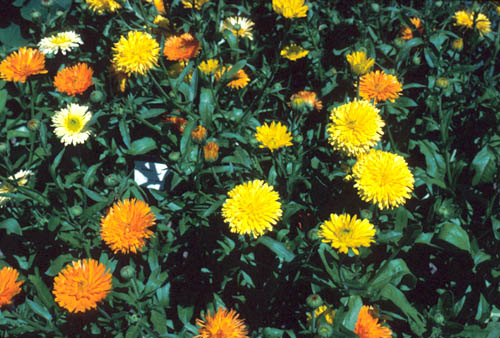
x=101 y=6
x=359 y=62
x=368 y=326
x=223 y=324
x=239 y=80
x=81 y=285
x=306 y=97
x=8 y=285
x=71 y=124
x=209 y=67
x=383 y=178
x=199 y=134
x=21 y=64
x=345 y=232
x=379 y=86
x=63 y=42
x=290 y=8
x=126 y=226
x=135 y=53
x=179 y=122
x=407 y=32
x=162 y=22
x=20 y=178
x=273 y=136
x=74 y=80
x=239 y=26
x=467 y=19
x=252 y=208
x=294 y=52
x=160 y=6
x=355 y=127
x=211 y=152
x=182 y=47
x=324 y=311
x=197 y=4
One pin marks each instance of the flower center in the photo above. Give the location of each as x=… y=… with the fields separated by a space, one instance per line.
x=60 y=40
x=73 y=124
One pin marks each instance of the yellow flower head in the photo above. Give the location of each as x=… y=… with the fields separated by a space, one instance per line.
x=252 y=208
x=356 y=127
x=294 y=52
x=467 y=19
x=136 y=53
x=81 y=285
x=379 y=86
x=71 y=124
x=8 y=285
x=290 y=8
x=239 y=26
x=64 y=42
x=458 y=44
x=383 y=178
x=368 y=326
x=239 y=80
x=101 y=6
x=197 y=3
x=21 y=178
x=223 y=324
x=209 y=67
x=273 y=136
x=324 y=310
x=21 y=64
x=359 y=62
x=126 y=226
x=344 y=232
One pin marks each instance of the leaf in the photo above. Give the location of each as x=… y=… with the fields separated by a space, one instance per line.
x=11 y=36
x=39 y=309
x=122 y=126
x=159 y=320
x=234 y=69
x=454 y=234
x=142 y=146
x=133 y=331
x=355 y=303
x=41 y=289
x=206 y=106
x=11 y=225
x=277 y=247
x=496 y=227
x=185 y=313
x=57 y=264
x=484 y=165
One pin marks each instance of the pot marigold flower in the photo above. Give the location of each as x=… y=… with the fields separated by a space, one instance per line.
x=8 y=285
x=136 y=53
x=21 y=64
x=368 y=326
x=126 y=226
x=239 y=80
x=355 y=127
x=294 y=52
x=359 y=62
x=179 y=122
x=469 y=20
x=308 y=98
x=407 y=32
x=273 y=136
x=345 y=232
x=290 y=8
x=383 y=178
x=63 y=42
x=324 y=310
x=252 y=208
x=160 y=6
x=209 y=67
x=239 y=26
x=101 y=6
x=223 y=324
x=199 y=134
x=21 y=179
x=211 y=152
x=74 y=80
x=182 y=47
x=81 y=285
x=379 y=86
x=71 y=124
x=197 y=3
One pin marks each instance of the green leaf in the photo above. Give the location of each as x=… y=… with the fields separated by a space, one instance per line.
x=159 y=320
x=39 y=309
x=455 y=235
x=142 y=146
x=496 y=227
x=355 y=303
x=206 y=107
x=185 y=313
x=3 y=99
x=484 y=165
x=58 y=263
x=123 y=127
x=11 y=36
x=11 y=225
x=234 y=69
x=95 y=196
x=277 y=247
x=133 y=331
x=41 y=289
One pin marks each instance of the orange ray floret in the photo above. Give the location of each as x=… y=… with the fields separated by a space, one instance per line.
x=223 y=324
x=179 y=122
x=368 y=326
x=182 y=47
x=8 y=285
x=126 y=226
x=21 y=64
x=81 y=285
x=74 y=80
x=379 y=86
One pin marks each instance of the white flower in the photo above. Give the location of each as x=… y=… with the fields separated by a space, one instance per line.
x=63 y=42
x=21 y=179
x=71 y=124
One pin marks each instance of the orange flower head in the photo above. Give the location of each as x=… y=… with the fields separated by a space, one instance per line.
x=199 y=134
x=21 y=64
x=179 y=122
x=8 y=285
x=308 y=98
x=211 y=152
x=126 y=225
x=74 y=80
x=182 y=47
x=160 y=6
x=223 y=324
x=407 y=32
x=368 y=326
x=239 y=80
x=379 y=86
x=81 y=285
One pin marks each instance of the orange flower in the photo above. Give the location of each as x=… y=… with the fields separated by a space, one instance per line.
x=223 y=324
x=379 y=86
x=160 y=6
x=211 y=152
x=8 y=285
x=407 y=32
x=368 y=327
x=81 y=285
x=308 y=97
x=239 y=80
x=74 y=80
x=182 y=47
x=21 y=64
x=199 y=134
x=126 y=225
x=179 y=122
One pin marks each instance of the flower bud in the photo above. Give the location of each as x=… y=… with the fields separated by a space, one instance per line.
x=36 y=15
x=76 y=210
x=314 y=301
x=313 y=234
x=3 y=147
x=47 y=3
x=211 y=152
x=457 y=44
x=199 y=134
x=96 y=96
x=112 y=180
x=33 y=124
x=442 y=82
x=174 y=156
x=59 y=13
x=375 y=7
x=127 y=272
x=399 y=42
x=325 y=330
x=417 y=60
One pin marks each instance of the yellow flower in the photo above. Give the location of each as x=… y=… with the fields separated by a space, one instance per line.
x=223 y=324
x=81 y=285
x=359 y=62
x=324 y=310
x=211 y=152
x=368 y=326
x=137 y=53
x=101 y=6
x=8 y=285
x=252 y=208
x=209 y=67
x=498 y=10
x=126 y=226
x=239 y=80
x=21 y=64
x=239 y=26
x=308 y=98
x=344 y=232
x=197 y=3
x=273 y=136
x=71 y=124
x=290 y=8
x=383 y=178
x=467 y=19
x=21 y=178
x=356 y=127
x=379 y=86
x=458 y=44
x=64 y=42
x=294 y=52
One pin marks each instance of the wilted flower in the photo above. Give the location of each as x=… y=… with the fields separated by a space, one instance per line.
x=306 y=97
x=197 y=4
x=407 y=32
x=21 y=178
x=294 y=52
x=211 y=151
x=199 y=134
